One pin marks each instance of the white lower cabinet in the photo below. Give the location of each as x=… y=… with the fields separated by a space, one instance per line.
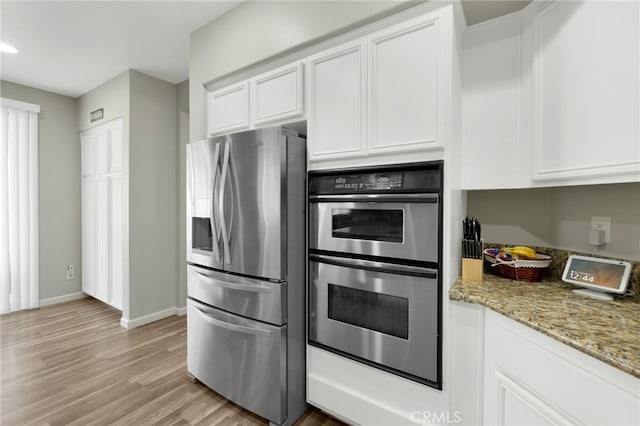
x=102 y=243
x=531 y=379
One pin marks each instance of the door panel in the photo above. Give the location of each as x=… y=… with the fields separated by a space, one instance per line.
x=252 y=203
x=115 y=188
x=389 y=229
x=243 y=360
x=89 y=236
x=102 y=239
x=388 y=319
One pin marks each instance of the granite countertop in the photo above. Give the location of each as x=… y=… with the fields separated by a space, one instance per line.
x=608 y=331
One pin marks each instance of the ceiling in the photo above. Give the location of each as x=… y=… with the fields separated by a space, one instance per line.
x=71 y=47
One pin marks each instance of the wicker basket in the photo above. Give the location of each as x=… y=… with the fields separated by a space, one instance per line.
x=531 y=270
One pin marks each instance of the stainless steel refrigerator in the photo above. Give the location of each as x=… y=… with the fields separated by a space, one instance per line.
x=245 y=253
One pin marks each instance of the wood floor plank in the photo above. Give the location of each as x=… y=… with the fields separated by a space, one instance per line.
x=72 y=364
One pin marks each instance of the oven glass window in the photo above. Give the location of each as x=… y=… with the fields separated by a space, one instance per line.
x=374 y=311
x=364 y=224
x=201 y=235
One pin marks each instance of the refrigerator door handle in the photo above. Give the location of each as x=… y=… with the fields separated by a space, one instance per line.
x=232 y=327
x=223 y=182
x=215 y=231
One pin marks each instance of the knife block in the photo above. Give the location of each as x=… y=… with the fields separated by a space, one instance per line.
x=471 y=270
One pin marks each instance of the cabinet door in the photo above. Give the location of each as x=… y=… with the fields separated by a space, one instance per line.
x=586 y=86
x=115 y=253
x=277 y=95
x=404 y=81
x=102 y=236
x=337 y=107
x=115 y=147
x=102 y=150
x=88 y=236
x=228 y=109
x=88 y=154
x=531 y=379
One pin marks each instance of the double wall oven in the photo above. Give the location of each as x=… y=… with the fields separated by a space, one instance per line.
x=375 y=267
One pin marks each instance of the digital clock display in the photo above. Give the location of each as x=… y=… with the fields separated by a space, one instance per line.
x=603 y=274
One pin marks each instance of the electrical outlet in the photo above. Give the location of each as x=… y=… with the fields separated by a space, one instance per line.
x=602 y=224
x=71 y=272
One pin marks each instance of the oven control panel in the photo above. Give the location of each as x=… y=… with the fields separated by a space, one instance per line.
x=401 y=179
x=368 y=182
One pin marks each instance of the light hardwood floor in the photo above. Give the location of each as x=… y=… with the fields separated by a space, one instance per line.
x=72 y=364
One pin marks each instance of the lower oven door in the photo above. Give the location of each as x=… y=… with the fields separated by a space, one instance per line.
x=241 y=359
x=382 y=314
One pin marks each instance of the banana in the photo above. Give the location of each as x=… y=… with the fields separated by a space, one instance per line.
x=522 y=252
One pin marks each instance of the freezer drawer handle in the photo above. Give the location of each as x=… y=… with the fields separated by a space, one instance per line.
x=235 y=286
x=233 y=327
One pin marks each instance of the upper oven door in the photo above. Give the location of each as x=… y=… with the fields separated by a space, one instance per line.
x=397 y=226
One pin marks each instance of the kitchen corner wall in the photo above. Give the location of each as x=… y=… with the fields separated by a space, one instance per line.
x=149 y=110
x=181 y=205
x=560 y=217
x=59 y=188
x=152 y=199
x=255 y=31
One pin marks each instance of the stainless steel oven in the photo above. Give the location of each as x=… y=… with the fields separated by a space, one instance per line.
x=374 y=267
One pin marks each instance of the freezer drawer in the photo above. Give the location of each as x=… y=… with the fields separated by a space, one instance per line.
x=241 y=359
x=256 y=299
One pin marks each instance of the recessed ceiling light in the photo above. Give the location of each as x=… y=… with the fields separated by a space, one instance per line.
x=7 y=48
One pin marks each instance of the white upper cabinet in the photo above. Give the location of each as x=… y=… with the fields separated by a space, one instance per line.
x=338 y=108
x=384 y=94
x=228 y=109
x=586 y=91
x=277 y=95
x=403 y=87
x=551 y=97
x=272 y=97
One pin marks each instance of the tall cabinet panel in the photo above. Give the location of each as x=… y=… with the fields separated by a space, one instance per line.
x=102 y=212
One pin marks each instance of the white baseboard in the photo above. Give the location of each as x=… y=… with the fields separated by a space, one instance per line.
x=155 y=316
x=62 y=299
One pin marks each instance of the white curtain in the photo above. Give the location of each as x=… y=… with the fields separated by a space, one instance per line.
x=19 y=280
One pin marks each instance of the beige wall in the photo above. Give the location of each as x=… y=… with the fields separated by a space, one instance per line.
x=183 y=139
x=59 y=188
x=153 y=189
x=255 y=31
x=561 y=217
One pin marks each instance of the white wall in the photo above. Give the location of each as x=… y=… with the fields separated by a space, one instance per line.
x=59 y=192
x=561 y=217
x=255 y=31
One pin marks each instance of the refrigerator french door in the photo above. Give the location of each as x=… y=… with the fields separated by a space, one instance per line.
x=245 y=248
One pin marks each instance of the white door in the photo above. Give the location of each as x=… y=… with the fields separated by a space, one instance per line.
x=228 y=109
x=88 y=236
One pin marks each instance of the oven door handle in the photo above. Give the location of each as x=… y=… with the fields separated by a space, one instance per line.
x=401 y=198
x=369 y=265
